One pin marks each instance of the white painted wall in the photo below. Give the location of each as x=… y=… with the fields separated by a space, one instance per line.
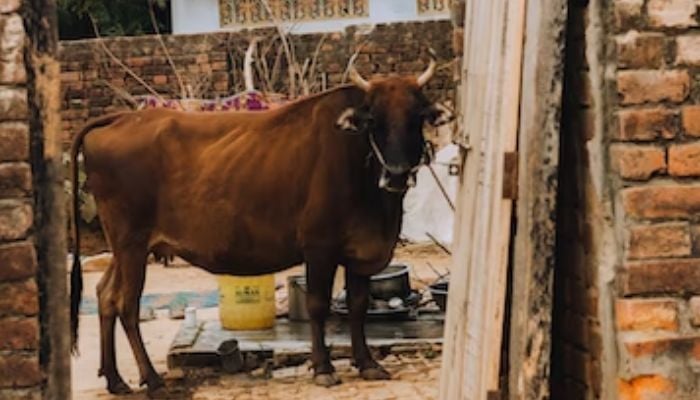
x=195 y=16
x=200 y=16
x=425 y=208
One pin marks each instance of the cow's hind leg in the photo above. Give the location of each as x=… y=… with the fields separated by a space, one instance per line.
x=108 y=316
x=320 y=272
x=132 y=263
x=358 y=302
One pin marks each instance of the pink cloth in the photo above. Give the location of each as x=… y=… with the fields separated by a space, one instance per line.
x=245 y=101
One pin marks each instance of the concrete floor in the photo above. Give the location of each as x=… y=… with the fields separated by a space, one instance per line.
x=414 y=379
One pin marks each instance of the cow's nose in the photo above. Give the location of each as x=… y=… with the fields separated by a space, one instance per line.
x=398 y=169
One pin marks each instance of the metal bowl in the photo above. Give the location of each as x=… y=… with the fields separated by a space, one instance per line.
x=391 y=282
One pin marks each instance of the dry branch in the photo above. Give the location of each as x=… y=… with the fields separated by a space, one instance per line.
x=183 y=93
x=119 y=62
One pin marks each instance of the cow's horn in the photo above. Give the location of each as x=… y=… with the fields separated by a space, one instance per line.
x=428 y=73
x=355 y=76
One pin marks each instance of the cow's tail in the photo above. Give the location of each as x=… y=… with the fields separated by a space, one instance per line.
x=76 y=275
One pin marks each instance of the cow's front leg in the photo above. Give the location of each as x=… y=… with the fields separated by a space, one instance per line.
x=320 y=271
x=358 y=302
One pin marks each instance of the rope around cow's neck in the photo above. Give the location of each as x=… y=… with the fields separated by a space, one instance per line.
x=382 y=161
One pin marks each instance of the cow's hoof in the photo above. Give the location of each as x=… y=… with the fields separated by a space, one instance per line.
x=375 y=374
x=326 y=380
x=158 y=393
x=155 y=387
x=119 y=388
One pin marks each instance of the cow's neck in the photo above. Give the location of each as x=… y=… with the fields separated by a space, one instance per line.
x=387 y=205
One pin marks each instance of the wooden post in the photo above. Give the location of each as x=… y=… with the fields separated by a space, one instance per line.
x=43 y=84
x=489 y=111
x=533 y=260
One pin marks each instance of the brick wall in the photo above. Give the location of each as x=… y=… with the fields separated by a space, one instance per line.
x=212 y=63
x=654 y=159
x=20 y=372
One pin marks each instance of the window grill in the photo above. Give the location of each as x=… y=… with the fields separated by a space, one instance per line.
x=255 y=12
x=433 y=6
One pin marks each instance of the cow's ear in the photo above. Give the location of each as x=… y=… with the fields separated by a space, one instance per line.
x=349 y=121
x=438 y=114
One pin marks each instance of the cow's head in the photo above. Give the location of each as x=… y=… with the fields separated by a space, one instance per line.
x=392 y=116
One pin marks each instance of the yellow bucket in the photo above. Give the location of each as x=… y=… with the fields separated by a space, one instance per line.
x=247 y=302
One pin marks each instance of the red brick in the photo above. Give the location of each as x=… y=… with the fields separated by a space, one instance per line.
x=160 y=79
x=19 y=371
x=17 y=261
x=12 y=68
x=688 y=50
x=695 y=351
x=684 y=159
x=641 y=86
x=655 y=345
x=220 y=86
x=694 y=308
x=659 y=240
x=14 y=141
x=201 y=59
x=137 y=61
x=8 y=6
x=637 y=162
x=672 y=13
x=647 y=387
x=627 y=12
x=645 y=50
x=662 y=201
x=13 y=104
x=647 y=347
x=90 y=75
x=19 y=298
x=19 y=333
x=15 y=180
x=646 y=314
x=219 y=66
x=646 y=124
x=117 y=82
x=691 y=120
x=670 y=276
x=15 y=219
x=73 y=76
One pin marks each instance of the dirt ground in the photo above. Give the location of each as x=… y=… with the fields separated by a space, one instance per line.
x=415 y=376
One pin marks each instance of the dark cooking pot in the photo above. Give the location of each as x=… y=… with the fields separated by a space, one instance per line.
x=391 y=282
x=438 y=291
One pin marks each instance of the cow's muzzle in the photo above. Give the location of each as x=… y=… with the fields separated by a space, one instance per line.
x=397 y=183
x=399 y=178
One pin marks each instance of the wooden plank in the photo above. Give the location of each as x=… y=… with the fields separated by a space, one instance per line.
x=529 y=354
x=490 y=108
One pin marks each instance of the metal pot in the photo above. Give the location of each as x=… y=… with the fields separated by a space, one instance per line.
x=296 y=292
x=391 y=282
x=438 y=291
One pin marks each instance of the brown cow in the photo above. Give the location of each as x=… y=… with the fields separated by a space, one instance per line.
x=320 y=181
